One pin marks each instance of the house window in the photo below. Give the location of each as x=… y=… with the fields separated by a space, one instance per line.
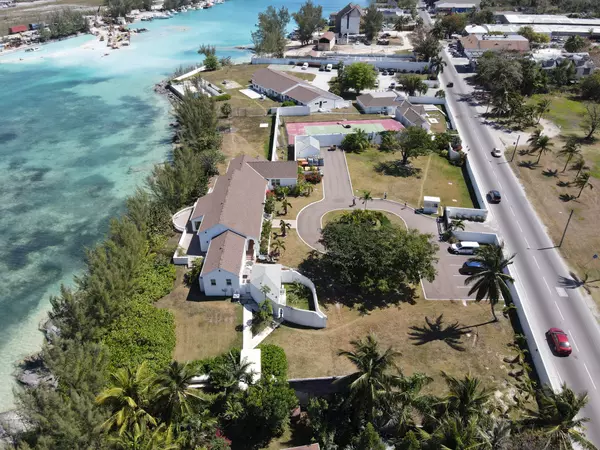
x=276 y=182
x=213 y=282
x=228 y=281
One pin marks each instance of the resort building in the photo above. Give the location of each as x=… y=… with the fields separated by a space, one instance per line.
x=550 y=58
x=550 y=30
x=284 y=86
x=477 y=44
x=326 y=42
x=347 y=20
x=224 y=228
x=411 y=115
x=510 y=18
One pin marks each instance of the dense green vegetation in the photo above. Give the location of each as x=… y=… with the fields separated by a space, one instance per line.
x=270 y=37
x=64 y=22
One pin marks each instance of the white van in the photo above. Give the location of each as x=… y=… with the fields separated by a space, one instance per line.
x=464 y=248
x=304 y=66
x=328 y=68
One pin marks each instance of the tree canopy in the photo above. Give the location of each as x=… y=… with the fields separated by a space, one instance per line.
x=372 y=21
x=359 y=76
x=269 y=37
x=309 y=18
x=590 y=87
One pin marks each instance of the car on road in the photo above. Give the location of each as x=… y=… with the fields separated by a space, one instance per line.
x=496 y=152
x=451 y=84
x=384 y=73
x=494 y=196
x=304 y=66
x=559 y=341
x=328 y=68
x=471 y=267
x=392 y=85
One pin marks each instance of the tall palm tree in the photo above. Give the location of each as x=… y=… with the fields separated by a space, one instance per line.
x=172 y=392
x=557 y=418
x=535 y=136
x=491 y=282
x=227 y=376
x=579 y=165
x=467 y=397
x=126 y=398
x=583 y=181
x=283 y=227
x=542 y=146
x=366 y=197
x=412 y=84
x=542 y=107
x=436 y=65
x=457 y=224
x=570 y=149
x=400 y=22
x=373 y=379
x=141 y=438
x=453 y=433
x=285 y=204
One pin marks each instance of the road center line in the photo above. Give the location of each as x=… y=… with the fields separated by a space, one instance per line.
x=513 y=211
x=519 y=226
x=589 y=375
x=573 y=340
x=559 y=311
x=536 y=263
x=525 y=239
x=499 y=184
x=547 y=285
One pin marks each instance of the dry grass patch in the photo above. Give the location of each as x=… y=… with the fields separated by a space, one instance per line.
x=295 y=251
x=247 y=137
x=299 y=202
x=439 y=127
x=204 y=327
x=435 y=177
x=479 y=347
x=329 y=117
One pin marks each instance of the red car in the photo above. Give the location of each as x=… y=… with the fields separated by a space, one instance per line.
x=560 y=341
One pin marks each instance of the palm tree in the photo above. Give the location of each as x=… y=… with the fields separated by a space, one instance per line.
x=542 y=107
x=557 y=418
x=277 y=246
x=141 y=438
x=582 y=181
x=466 y=397
x=436 y=65
x=372 y=379
x=358 y=141
x=535 y=136
x=542 y=146
x=570 y=149
x=412 y=84
x=400 y=22
x=579 y=165
x=366 y=197
x=126 y=398
x=172 y=393
x=283 y=227
x=491 y=282
x=457 y=224
x=285 y=204
x=227 y=376
x=453 y=433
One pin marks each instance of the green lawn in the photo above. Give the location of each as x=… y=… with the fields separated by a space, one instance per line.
x=435 y=177
x=564 y=112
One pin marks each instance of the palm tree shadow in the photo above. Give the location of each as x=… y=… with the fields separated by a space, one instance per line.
x=528 y=164
x=574 y=282
x=436 y=331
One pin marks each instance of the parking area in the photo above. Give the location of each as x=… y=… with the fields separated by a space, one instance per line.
x=449 y=284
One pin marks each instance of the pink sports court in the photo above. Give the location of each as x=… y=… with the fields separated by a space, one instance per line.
x=340 y=127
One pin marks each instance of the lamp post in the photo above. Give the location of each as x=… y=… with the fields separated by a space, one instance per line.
x=516 y=145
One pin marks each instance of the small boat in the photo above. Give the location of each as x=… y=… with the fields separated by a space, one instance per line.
x=33 y=49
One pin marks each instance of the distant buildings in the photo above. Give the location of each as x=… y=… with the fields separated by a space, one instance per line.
x=477 y=44
x=347 y=20
x=551 y=58
x=326 y=42
x=544 y=19
x=446 y=7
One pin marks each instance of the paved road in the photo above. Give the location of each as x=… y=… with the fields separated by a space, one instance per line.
x=538 y=265
x=337 y=187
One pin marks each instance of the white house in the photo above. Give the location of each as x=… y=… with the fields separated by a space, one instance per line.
x=411 y=115
x=347 y=21
x=284 y=86
x=224 y=228
x=384 y=102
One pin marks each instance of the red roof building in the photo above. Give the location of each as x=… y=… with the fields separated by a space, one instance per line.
x=17 y=29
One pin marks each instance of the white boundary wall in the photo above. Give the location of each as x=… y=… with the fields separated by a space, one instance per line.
x=274 y=156
x=538 y=348
x=379 y=62
x=313 y=319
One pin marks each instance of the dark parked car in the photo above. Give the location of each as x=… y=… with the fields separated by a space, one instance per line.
x=471 y=267
x=559 y=341
x=450 y=85
x=494 y=196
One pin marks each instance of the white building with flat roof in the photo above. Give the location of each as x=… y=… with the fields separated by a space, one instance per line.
x=550 y=30
x=545 y=19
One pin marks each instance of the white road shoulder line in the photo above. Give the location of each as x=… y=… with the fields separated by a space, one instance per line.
x=589 y=375
x=559 y=311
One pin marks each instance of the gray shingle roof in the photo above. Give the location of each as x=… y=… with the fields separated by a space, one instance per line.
x=225 y=252
x=275 y=169
x=276 y=80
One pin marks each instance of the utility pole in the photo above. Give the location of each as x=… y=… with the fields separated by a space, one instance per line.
x=516 y=145
x=566 y=227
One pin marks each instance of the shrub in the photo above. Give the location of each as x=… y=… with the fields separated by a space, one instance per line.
x=222 y=97
x=264 y=237
x=270 y=203
x=288 y=103
x=273 y=361
x=444 y=153
x=192 y=276
x=313 y=177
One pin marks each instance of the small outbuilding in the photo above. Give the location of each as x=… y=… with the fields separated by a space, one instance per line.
x=306 y=147
x=326 y=42
x=431 y=204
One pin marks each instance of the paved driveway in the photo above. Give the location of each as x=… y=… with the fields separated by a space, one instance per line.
x=337 y=194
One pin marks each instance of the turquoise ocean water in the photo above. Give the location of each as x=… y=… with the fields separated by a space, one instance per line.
x=78 y=132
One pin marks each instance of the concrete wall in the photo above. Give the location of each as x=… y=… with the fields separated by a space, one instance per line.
x=274 y=156
x=179 y=216
x=377 y=61
x=286 y=111
x=473 y=236
x=313 y=319
x=476 y=185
